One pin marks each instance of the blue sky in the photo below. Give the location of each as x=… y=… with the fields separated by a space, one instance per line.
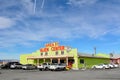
x=82 y=24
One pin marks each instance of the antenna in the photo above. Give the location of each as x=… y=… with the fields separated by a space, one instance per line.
x=95 y=50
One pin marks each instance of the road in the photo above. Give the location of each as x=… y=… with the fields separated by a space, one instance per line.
x=110 y=74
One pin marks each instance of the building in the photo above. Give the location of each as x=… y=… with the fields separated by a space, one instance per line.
x=5 y=61
x=115 y=59
x=55 y=53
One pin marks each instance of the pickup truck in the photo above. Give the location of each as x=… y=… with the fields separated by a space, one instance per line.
x=54 y=67
x=44 y=66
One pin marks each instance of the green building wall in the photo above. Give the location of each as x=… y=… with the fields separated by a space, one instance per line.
x=23 y=59
x=90 y=61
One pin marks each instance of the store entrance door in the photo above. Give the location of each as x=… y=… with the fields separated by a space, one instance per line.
x=62 y=61
x=54 y=61
x=70 y=63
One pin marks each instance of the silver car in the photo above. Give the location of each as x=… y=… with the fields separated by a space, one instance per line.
x=29 y=66
x=54 y=67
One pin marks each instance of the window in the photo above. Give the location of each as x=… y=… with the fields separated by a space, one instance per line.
x=62 y=52
x=46 y=53
x=41 y=54
x=81 y=61
x=56 y=52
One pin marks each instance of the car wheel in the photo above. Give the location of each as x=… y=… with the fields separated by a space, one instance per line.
x=64 y=69
x=94 y=67
x=46 y=68
x=103 y=67
x=58 y=69
x=40 y=69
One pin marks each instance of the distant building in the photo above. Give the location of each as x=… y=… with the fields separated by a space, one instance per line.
x=115 y=59
x=7 y=60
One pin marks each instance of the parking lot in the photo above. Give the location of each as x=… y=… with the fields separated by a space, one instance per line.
x=109 y=74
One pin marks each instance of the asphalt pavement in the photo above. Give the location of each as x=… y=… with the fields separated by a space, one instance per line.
x=109 y=74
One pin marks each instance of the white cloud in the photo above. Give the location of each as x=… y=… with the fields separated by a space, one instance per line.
x=63 y=25
x=28 y=6
x=82 y=2
x=6 y=22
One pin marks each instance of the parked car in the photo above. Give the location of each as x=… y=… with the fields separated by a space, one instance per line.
x=100 y=66
x=110 y=65
x=28 y=66
x=44 y=66
x=115 y=65
x=7 y=65
x=0 y=66
x=16 y=66
x=54 y=67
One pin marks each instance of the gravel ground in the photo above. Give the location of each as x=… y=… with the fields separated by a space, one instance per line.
x=110 y=74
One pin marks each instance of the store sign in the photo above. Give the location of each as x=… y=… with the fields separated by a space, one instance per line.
x=52 y=44
x=44 y=49
x=52 y=47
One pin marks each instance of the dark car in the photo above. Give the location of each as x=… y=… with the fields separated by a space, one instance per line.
x=29 y=66
x=16 y=66
x=8 y=65
x=0 y=66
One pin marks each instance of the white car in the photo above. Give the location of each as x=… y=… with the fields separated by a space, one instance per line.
x=44 y=66
x=111 y=65
x=115 y=65
x=54 y=67
x=100 y=66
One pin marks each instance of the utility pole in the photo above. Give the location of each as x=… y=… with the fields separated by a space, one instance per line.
x=95 y=50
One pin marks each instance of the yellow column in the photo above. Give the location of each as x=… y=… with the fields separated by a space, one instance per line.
x=27 y=60
x=51 y=60
x=58 y=60
x=66 y=60
x=44 y=60
x=38 y=62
